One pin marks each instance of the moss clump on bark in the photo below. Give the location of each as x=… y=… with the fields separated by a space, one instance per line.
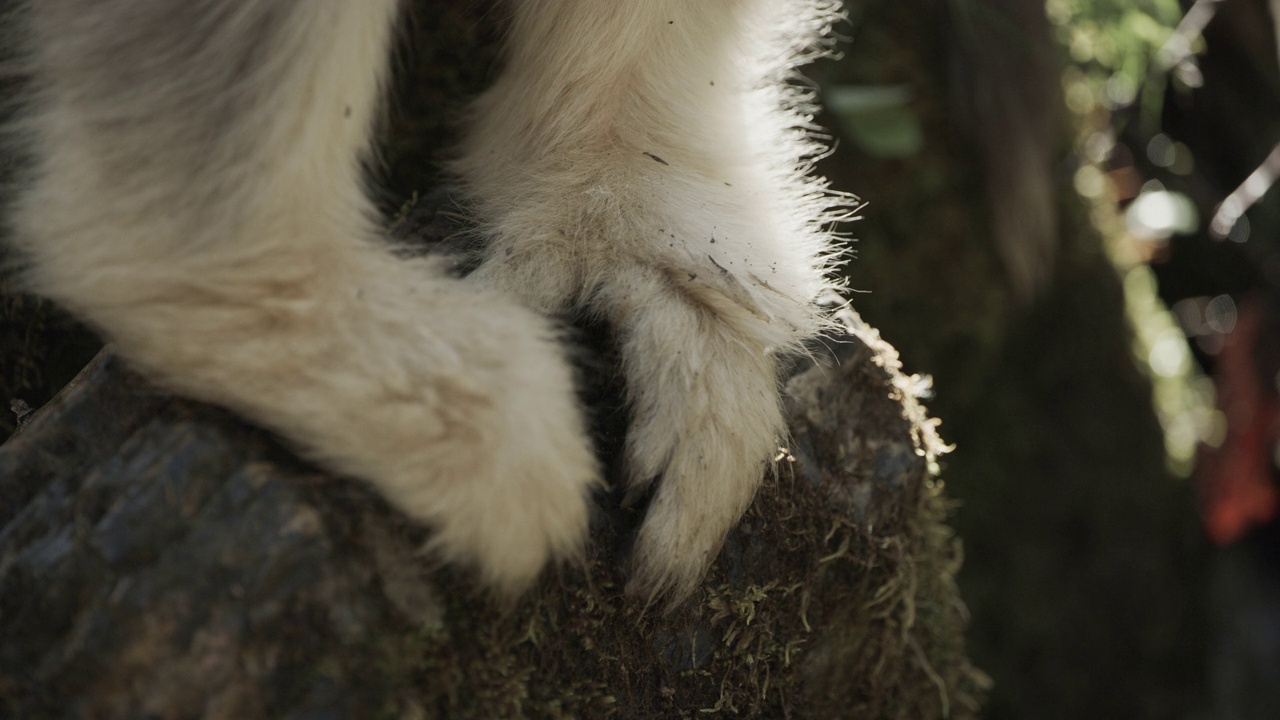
x=834 y=598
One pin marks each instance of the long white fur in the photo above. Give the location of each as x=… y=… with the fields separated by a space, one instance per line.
x=643 y=160
x=648 y=161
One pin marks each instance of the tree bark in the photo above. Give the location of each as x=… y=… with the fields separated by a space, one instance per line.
x=159 y=558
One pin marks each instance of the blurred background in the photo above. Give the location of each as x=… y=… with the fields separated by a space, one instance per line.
x=1070 y=226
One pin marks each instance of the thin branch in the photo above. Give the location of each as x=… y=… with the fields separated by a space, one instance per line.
x=1249 y=192
x=1177 y=49
x=1260 y=180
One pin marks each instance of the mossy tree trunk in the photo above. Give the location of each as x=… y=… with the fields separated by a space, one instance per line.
x=162 y=559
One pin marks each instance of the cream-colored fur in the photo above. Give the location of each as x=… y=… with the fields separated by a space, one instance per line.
x=197 y=195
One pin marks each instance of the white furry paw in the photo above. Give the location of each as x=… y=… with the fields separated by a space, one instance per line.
x=453 y=401
x=699 y=357
x=497 y=461
x=662 y=184
x=706 y=420
x=705 y=283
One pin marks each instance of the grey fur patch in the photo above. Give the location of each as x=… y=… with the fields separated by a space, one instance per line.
x=167 y=92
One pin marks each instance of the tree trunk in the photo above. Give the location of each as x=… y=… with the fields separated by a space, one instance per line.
x=163 y=559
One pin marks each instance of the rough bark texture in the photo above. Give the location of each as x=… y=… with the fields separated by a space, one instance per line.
x=159 y=558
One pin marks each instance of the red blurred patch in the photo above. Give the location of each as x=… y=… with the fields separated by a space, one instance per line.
x=1238 y=489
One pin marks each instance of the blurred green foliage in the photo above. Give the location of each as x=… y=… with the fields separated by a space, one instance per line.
x=1084 y=558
